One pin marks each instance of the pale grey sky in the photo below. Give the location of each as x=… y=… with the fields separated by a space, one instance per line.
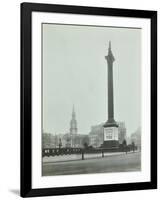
x=75 y=72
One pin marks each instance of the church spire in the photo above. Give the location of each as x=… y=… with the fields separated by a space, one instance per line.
x=109 y=48
x=73 y=113
x=73 y=122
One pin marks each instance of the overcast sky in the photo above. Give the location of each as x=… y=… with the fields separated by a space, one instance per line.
x=75 y=72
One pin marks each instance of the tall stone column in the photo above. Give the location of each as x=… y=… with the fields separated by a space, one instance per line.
x=110 y=127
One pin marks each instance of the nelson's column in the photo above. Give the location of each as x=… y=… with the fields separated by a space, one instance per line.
x=110 y=127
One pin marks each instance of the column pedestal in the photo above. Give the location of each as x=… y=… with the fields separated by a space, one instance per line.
x=110 y=137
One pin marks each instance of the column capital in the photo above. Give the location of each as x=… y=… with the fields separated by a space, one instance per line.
x=110 y=58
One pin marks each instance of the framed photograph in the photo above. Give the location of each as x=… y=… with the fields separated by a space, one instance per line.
x=88 y=99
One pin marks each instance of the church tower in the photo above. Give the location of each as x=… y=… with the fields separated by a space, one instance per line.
x=73 y=123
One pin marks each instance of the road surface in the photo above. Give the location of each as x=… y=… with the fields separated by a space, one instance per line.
x=117 y=163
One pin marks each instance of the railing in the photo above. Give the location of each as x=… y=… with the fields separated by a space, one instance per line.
x=68 y=151
x=60 y=151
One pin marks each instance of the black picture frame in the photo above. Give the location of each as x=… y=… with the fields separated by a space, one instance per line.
x=26 y=99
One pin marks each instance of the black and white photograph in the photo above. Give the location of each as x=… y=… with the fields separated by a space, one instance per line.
x=78 y=107
x=91 y=99
x=88 y=99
